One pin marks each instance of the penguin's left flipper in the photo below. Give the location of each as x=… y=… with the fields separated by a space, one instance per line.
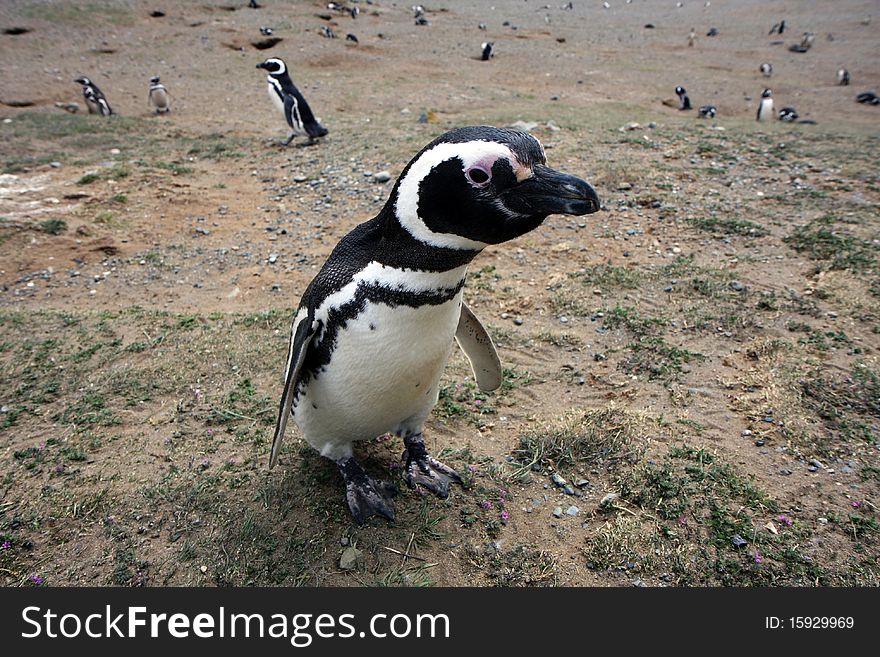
x=299 y=343
x=477 y=345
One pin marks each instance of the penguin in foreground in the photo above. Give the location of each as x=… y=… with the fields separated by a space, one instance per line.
x=95 y=100
x=684 y=103
x=486 y=49
x=158 y=96
x=765 y=109
x=375 y=327
x=290 y=101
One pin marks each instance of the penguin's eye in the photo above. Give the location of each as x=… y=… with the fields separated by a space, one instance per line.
x=478 y=176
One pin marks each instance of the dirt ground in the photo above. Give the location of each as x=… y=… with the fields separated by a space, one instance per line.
x=692 y=385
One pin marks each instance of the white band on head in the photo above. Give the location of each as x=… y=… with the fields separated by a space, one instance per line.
x=483 y=153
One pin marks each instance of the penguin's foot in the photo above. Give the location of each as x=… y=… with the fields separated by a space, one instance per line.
x=287 y=141
x=366 y=497
x=424 y=471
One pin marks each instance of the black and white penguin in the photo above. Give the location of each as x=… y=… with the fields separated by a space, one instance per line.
x=868 y=98
x=328 y=32
x=707 y=111
x=158 y=96
x=766 y=69
x=354 y=12
x=266 y=31
x=290 y=101
x=253 y=4
x=375 y=327
x=765 y=108
x=777 y=27
x=351 y=37
x=684 y=102
x=842 y=77
x=713 y=31
x=95 y=100
x=788 y=114
x=782 y=26
x=486 y=49
x=805 y=44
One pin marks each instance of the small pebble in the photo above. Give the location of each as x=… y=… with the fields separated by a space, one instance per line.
x=382 y=177
x=557 y=512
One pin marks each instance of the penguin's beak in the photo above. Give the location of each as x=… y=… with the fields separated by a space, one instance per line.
x=261 y=65
x=551 y=192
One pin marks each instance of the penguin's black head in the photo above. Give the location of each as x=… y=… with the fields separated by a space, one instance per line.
x=274 y=66
x=766 y=93
x=154 y=79
x=83 y=80
x=680 y=91
x=480 y=185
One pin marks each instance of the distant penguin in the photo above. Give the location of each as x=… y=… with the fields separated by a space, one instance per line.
x=805 y=44
x=253 y=4
x=765 y=109
x=354 y=12
x=712 y=32
x=481 y=26
x=774 y=29
x=287 y=98
x=788 y=114
x=95 y=100
x=266 y=31
x=692 y=37
x=868 y=98
x=419 y=15
x=707 y=111
x=486 y=49
x=684 y=102
x=158 y=96
x=782 y=27
x=842 y=77
x=328 y=32
x=766 y=69
x=351 y=37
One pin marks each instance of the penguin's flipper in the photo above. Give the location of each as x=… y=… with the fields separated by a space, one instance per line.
x=300 y=338
x=477 y=345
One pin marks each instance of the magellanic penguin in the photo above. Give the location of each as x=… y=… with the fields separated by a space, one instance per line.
x=766 y=69
x=788 y=114
x=158 y=96
x=707 y=111
x=765 y=109
x=375 y=327
x=290 y=101
x=95 y=100
x=684 y=102
x=692 y=37
x=486 y=49
x=842 y=77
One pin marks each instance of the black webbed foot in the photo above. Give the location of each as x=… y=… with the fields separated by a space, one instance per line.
x=366 y=497
x=424 y=471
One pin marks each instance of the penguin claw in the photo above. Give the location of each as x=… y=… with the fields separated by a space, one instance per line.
x=366 y=496
x=424 y=471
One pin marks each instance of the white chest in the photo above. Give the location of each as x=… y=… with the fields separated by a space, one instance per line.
x=383 y=375
x=275 y=96
x=765 y=111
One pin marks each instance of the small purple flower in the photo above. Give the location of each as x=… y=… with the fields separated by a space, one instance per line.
x=205 y=464
x=682 y=520
x=857 y=505
x=486 y=504
x=478 y=402
x=759 y=558
x=471 y=469
x=6 y=545
x=42 y=446
x=210 y=432
x=37 y=579
x=504 y=516
x=230 y=461
x=785 y=520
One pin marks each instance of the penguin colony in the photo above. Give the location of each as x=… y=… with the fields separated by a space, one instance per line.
x=391 y=292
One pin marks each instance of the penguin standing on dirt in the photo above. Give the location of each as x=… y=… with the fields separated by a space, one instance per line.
x=842 y=77
x=95 y=100
x=290 y=101
x=486 y=49
x=765 y=109
x=375 y=327
x=158 y=96
x=766 y=69
x=684 y=102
